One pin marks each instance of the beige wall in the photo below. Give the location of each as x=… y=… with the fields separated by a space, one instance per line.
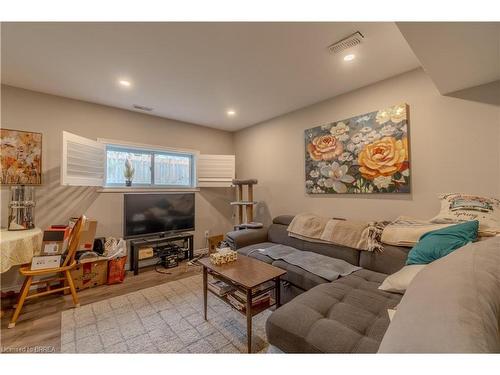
x=50 y=115
x=454 y=147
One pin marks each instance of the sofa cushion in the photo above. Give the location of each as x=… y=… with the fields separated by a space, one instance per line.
x=299 y=276
x=278 y=234
x=390 y=260
x=334 y=251
x=283 y=219
x=295 y=275
x=244 y=237
x=289 y=292
x=348 y=315
x=288 y=289
x=251 y=251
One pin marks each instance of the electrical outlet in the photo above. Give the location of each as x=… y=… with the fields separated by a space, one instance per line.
x=207 y=233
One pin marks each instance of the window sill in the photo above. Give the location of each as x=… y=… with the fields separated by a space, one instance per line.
x=144 y=190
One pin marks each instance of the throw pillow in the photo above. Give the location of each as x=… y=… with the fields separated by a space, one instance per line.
x=458 y=207
x=439 y=243
x=398 y=282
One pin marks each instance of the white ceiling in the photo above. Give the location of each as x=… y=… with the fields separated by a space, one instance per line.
x=456 y=55
x=194 y=72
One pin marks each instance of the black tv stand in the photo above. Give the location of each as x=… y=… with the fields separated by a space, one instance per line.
x=159 y=241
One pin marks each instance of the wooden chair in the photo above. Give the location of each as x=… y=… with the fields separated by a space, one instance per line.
x=68 y=264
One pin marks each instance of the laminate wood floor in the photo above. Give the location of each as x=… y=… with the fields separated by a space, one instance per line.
x=39 y=324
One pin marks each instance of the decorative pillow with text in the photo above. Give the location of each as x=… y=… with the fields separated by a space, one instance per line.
x=460 y=207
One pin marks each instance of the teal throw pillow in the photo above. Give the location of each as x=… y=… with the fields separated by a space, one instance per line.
x=439 y=243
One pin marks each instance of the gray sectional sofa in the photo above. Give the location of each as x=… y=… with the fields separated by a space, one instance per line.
x=452 y=305
x=348 y=315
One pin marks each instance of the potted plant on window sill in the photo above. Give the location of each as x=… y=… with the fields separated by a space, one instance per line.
x=128 y=173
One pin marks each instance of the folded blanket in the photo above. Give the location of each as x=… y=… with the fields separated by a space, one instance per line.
x=320 y=265
x=375 y=235
x=406 y=231
x=359 y=235
x=308 y=226
x=347 y=233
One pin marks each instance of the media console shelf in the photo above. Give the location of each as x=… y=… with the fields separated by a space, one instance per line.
x=158 y=242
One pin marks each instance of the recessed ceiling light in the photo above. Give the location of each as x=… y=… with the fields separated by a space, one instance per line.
x=124 y=83
x=349 y=57
x=230 y=112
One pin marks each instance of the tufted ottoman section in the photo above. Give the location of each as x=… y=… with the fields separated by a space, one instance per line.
x=348 y=315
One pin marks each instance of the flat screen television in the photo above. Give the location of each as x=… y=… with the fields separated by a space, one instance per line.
x=153 y=214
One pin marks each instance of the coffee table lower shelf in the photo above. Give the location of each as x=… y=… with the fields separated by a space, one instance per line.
x=255 y=310
x=249 y=311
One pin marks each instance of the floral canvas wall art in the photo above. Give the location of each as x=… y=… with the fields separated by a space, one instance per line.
x=364 y=154
x=21 y=157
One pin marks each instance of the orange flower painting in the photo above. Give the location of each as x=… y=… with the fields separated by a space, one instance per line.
x=384 y=157
x=364 y=154
x=21 y=157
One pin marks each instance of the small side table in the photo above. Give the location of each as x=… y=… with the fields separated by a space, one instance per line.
x=244 y=274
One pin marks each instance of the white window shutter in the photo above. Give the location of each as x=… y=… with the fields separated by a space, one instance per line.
x=215 y=170
x=82 y=162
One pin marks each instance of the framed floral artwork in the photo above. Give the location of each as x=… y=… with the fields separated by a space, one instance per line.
x=21 y=157
x=363 y=154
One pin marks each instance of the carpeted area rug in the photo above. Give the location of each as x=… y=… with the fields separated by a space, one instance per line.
x=167 y=318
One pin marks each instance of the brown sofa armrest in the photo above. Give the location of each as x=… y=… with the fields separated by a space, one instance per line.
x=241 y=238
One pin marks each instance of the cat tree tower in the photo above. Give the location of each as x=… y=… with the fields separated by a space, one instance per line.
x=245 y=221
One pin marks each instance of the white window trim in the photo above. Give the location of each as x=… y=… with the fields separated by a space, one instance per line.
x=127 y=189
x=147 y=147
x=114 y=142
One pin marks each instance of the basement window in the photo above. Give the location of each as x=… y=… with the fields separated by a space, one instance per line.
x=152 y=168
x=101 y=163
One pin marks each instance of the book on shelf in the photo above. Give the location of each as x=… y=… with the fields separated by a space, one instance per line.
x=261 y=287
x=235 y=302
x=219 y=287
x=240 y=303
x=241 y=295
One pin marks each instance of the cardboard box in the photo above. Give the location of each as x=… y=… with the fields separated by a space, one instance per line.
x=90 y=274
x=61 y=228
x=213 y=242
x=145 y=253
x=45 y=261
x=55 y=241
x=88 y=235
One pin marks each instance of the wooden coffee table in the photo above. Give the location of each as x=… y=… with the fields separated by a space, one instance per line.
x=244 y=274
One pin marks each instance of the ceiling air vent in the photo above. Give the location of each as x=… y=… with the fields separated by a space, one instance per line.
x=143 y=108
x=343 y=44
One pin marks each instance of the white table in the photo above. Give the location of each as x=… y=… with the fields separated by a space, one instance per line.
x=18 y=247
